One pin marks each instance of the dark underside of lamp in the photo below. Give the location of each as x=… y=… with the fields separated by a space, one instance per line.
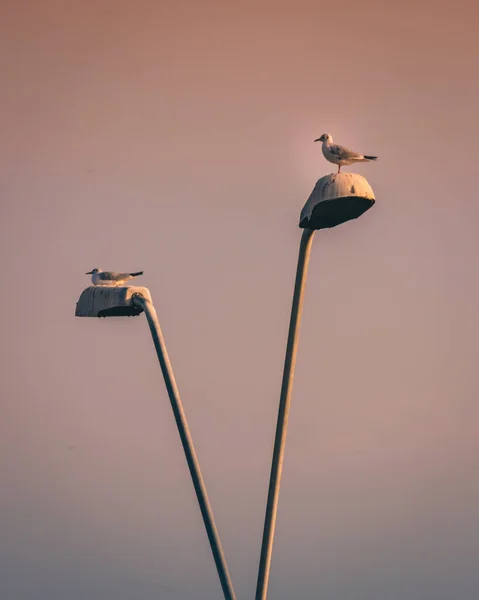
x=121 y=311
x=329 y=213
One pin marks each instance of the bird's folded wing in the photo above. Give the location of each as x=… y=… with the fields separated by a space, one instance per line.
x=110 y=276
x=342 y=152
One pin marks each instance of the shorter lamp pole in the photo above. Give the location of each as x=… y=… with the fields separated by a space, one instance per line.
x=188 y=446
x=283 y=414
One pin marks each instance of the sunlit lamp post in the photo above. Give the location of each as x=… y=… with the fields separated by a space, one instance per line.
x=105 y=301
x=336 y=198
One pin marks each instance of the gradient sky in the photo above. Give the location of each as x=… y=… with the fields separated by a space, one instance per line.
x=177 y=138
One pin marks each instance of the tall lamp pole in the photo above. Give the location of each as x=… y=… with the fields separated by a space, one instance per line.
x=105 y=301
x=334 y=200
x=188 y=447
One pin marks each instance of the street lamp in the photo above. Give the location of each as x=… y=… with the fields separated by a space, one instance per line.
x=336 y=198
x=108 y=301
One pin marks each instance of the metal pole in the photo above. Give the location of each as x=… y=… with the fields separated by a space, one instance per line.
x=283 y=414
x=188 y=447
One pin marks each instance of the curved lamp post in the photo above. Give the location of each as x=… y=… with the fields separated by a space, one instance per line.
x=105 y=301
x=336 y=198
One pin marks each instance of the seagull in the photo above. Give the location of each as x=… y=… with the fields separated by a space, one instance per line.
x=340 y=155
x=111 y=278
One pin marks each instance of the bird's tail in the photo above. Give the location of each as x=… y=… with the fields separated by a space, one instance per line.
x=136 y=274
x=370 y=157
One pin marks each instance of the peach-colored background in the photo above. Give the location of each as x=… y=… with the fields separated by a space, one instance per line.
x=176 y=137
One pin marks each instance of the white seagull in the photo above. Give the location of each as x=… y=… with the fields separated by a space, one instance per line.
x=340 y=155
x=111 y=278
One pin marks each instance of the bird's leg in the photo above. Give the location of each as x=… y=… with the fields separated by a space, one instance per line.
x=339 y=168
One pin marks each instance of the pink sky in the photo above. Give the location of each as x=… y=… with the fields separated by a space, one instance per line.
x=177 y=138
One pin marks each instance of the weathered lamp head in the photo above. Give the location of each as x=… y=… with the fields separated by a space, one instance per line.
x=336 y=198
x=110 y=301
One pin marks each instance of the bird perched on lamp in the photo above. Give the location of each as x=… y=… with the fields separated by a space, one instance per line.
x=112 y=278
x=340 y=155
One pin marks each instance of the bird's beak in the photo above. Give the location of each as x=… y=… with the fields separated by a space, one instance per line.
x=318 y=140
x=89 y=273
